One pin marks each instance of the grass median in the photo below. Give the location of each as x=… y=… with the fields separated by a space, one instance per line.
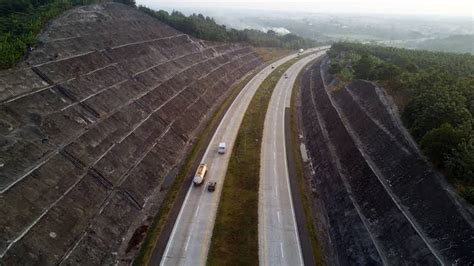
x=235 y=236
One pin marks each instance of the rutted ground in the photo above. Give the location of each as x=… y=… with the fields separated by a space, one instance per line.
x=92 y=123
x=379 y=199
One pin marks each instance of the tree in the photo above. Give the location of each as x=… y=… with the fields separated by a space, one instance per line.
x=126 y=2
x=363 y=68
x=438 y=143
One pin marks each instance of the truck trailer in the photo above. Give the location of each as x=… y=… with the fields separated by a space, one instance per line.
x=200 y=174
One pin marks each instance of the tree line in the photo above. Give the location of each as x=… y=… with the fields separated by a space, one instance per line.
x=438 y=100
x=204 y=27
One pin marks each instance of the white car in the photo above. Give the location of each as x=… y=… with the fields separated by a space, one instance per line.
x=221 y=149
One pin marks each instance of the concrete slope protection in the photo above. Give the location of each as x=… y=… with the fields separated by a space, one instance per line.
x=190 y=239
x=381 y=201
x=278 y=233
x=94 y=123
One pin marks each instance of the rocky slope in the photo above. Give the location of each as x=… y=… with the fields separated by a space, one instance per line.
x=377 y=198
x=92 y=122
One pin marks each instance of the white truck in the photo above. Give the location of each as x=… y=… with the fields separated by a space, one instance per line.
x=200 y=174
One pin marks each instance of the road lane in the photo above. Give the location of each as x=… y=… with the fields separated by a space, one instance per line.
x=190 y=239
x=278 y=233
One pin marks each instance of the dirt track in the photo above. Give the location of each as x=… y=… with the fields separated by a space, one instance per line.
x=382 y=203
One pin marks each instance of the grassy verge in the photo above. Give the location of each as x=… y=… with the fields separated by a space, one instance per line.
x=302 y=185
x=163 y=213
x=235 y=236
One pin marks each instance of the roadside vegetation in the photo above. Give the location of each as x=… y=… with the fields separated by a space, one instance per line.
x=204 y=27
x=303 y=188
x=22 y=20
x=435 y=93
x=235 y=236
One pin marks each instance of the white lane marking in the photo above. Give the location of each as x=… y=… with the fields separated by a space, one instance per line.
x=168 y=246
x=281 y=249
x=288 y=188
x=187 y=243
x=197 y=210
x=278 y=216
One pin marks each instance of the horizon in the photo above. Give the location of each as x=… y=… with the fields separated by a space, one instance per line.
x=455 y=9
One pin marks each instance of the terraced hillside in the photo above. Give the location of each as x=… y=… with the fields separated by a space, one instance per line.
x=380 y=201
x=92 y=126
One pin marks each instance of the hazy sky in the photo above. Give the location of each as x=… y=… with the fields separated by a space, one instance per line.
x=411 y=7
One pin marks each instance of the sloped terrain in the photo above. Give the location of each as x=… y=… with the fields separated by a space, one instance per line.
x=381 y=201
x=92 y=123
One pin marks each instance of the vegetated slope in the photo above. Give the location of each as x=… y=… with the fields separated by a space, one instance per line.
x=435 y=92
x=22 y=20
x=92 y=127
x=381 y=201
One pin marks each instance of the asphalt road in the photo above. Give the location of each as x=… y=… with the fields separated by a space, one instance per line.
x=279 y=242
x=190 y=239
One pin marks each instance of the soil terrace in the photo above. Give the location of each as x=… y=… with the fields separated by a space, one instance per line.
x=92 y=122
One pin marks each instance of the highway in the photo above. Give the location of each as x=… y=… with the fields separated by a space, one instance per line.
x=190 y=239
x=279 y=243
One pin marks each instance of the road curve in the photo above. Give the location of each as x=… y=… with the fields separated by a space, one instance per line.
x=190 y=239
x=279 y=243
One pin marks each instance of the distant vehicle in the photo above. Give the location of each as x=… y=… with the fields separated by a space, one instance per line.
x=273 y=67
x=286 y=75
x=301 y=51
x=221 y=149
x=200 y=174
x=211 y=186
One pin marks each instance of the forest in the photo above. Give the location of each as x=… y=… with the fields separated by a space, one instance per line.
x=206 y=28
x=435 y=93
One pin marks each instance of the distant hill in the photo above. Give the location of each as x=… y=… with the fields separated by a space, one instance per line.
x=454 y=44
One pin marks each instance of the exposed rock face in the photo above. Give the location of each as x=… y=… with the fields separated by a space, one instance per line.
x=91 y=124
x=382 y=202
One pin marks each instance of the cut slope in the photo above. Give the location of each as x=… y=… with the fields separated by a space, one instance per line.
x=383 y=202
x=91 y=124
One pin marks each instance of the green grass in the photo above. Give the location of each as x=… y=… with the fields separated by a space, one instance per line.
x=21 y=21
x=201 y=143
x=235 y=236
x=302 y=183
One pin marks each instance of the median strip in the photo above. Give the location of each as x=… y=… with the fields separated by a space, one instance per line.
x=235 y=236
